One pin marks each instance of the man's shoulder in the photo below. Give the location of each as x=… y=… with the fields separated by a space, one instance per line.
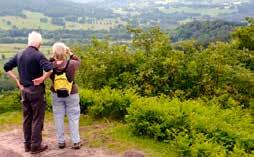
x=33 y=51
x=38 y=54
x=32 y=54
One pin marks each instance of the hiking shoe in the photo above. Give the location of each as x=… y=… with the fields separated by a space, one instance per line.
x=76 y=146
x=27 y=147
x=41 y=148
x=61 y=145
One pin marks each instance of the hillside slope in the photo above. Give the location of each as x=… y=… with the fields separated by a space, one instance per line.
x=205 y=32
x=51 y=8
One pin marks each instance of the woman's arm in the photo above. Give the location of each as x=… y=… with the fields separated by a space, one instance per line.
x=74 y=58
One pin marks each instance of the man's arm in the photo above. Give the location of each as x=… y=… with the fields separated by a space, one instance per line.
x=12 y=75
x=41 y=79
x=8 y=67
x=47 y=66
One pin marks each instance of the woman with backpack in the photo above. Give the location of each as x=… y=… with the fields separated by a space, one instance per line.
x=65 y=97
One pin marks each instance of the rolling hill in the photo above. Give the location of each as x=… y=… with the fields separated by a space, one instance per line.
x=145 y=13
x=79 y=20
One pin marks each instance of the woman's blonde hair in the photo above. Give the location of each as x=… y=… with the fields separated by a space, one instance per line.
x=60 y=51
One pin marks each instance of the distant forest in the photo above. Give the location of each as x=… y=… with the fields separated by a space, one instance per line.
x=203 y=32
x=62 y=11
x=17 y=35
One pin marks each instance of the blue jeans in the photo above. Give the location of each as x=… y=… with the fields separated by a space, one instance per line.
x=66 y=106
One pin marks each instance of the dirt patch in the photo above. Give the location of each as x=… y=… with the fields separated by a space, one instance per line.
x=8 y=153
x=11 y=145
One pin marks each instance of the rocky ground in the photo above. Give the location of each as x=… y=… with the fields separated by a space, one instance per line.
x=11 y=145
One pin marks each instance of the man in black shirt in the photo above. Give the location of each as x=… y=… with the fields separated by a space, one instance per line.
x=31 y=63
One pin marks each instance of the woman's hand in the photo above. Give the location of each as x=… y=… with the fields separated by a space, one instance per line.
x=68 y=51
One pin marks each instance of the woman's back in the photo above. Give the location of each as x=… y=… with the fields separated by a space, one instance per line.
x=71 y=69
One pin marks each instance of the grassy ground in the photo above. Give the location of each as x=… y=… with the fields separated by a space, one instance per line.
x=121 y=133
x=32 y=21
x=9 y=50
x=13 y=48
x=203 y=11
x=9 y=119
x=112 y=135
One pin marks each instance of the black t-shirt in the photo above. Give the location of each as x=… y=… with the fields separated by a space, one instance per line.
x=31 y=63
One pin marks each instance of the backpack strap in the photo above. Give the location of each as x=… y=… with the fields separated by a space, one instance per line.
x=68 y=62
x=55 y=71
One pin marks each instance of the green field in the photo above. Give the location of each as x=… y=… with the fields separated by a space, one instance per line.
x=8 y=50
x=203 y=11
x=32 y=21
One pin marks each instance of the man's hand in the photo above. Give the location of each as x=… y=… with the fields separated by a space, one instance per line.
x=20 y=86
x=14 y=77
x=41 y=79
x=38 y=81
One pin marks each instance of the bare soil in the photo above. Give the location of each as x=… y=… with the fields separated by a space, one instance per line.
x=11 y=145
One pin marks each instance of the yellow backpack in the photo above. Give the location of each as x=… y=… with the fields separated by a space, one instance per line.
x=62 y=85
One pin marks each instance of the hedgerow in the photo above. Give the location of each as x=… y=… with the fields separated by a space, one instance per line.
x=193 y=127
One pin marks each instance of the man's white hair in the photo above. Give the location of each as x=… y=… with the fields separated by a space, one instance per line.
x=34 y=39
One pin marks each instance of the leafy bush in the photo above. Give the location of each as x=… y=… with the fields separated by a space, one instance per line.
x=106 y=66
x=48 y=100
x=10 y=101
x=87 y=99
x=195 y=128
x=244 y=35
x=106 y=103
x=152 y=66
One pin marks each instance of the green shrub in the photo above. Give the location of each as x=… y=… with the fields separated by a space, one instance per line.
x=152 y=66
x=10 y=101
x=87 y=99
x=195 y=128
x=48 y=100
x=108 y=103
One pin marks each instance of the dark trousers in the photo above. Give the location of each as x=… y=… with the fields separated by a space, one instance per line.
x=34 y=105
